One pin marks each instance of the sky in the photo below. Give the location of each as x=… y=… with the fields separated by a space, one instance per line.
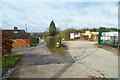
x=38 y=15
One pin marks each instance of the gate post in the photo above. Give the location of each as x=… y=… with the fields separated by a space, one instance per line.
x=99 y=35
x=118 y=43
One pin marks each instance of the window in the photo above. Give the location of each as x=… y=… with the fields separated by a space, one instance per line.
x=14 y=40
x=15 y=31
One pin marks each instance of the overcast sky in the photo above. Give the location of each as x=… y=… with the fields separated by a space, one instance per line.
x=38 y=15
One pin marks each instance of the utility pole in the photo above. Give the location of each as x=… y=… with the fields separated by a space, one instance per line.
x=26 y=27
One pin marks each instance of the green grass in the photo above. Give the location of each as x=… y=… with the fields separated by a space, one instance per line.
x=54 y=49
x=8 y=61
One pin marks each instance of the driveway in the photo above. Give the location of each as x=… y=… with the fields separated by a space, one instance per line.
x=95 y=60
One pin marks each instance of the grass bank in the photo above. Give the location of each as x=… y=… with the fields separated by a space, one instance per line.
x=9 y=61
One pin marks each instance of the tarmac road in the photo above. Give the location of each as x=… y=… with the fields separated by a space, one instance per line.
x=39 y=62
x=84 y=60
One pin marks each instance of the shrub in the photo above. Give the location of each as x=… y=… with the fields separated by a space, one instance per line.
x=51 y=43
x=7 y=42
x=66 y=33
x=52 y=40
x=34 y=41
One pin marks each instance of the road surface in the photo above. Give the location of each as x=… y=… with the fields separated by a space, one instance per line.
x=84 y=60
x=39 y=62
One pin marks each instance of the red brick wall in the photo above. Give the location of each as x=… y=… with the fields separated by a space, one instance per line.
x=21 y=43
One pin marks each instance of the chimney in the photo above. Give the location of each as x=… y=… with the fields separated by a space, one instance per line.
x=15 y=28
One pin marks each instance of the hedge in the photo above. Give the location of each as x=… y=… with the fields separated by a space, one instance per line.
x=34 y=41
x=51 y=43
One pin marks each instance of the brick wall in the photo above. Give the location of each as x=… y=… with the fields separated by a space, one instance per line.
x=21 y=43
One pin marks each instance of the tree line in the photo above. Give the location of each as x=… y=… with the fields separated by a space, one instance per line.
x=53 y=31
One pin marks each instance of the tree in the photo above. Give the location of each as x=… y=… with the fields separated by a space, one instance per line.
x=52 y=29
x=7 y=37
x=66 y=33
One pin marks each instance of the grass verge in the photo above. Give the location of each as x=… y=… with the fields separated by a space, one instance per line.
x=9 y=61
x=61 y=49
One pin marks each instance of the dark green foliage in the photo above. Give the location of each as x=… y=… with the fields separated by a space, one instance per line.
x=66 y=33
x=52 y=40
x=51 y=43
x=34 y=41
x=45 y=34
x=96 y=29
x=52 y=29
x=55 y=39
x=7 y=42
x=35 y=34
x=106 y=29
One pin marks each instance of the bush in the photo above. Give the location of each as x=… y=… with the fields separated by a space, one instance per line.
x=34 y=41
x=52 y=40
x=7 y=42
x=51 y=43
x=66 y=33
x=47 y=40
x=6 y=47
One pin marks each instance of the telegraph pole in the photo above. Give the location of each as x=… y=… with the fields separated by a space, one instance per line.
x=26 y=27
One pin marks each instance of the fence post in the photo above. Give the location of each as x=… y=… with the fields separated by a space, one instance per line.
x=99 y=35
x=118 y=43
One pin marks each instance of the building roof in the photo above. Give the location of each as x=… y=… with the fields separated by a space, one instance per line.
x=20 y=34
x=17 y=34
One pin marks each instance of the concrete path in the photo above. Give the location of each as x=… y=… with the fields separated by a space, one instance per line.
x=96 y=60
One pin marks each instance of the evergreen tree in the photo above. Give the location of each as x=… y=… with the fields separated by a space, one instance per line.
x=52 y=29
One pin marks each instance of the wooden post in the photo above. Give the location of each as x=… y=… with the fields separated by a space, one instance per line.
x=118 y=43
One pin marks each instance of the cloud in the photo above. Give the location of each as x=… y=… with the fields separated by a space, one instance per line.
x=60 y=0
x=38 y=15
